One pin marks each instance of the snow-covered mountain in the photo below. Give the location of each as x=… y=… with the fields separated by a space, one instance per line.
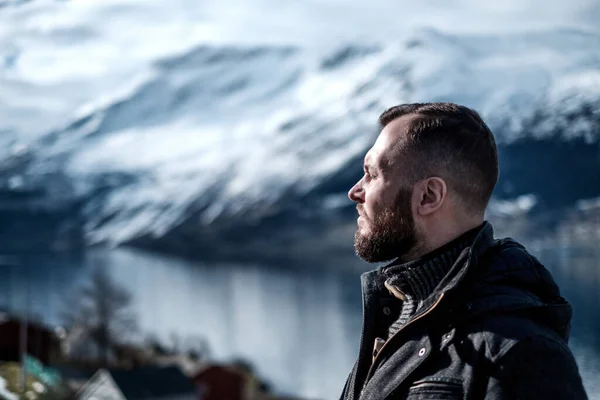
x=162 y=128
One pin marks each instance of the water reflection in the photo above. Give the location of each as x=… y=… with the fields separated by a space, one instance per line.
x=299 y=327
x=577 y=270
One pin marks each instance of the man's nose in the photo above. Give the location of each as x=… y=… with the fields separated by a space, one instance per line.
x=356 y=194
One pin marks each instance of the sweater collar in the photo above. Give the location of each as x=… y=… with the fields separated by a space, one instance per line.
x=420 y=277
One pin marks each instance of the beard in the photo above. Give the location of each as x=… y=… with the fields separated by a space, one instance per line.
x=392 y=232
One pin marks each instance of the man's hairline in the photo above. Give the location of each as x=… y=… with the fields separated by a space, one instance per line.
x=398 y=145
x=411 y=181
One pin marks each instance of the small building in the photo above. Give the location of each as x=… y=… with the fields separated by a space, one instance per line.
x=145 y=383
x=74 y=378
x=40 y=341
x=220 y=382
x=233 y=382
x=101 y=386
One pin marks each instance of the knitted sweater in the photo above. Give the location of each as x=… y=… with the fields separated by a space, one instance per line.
x=414 y=281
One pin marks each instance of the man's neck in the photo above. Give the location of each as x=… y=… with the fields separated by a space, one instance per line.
x=437 y=239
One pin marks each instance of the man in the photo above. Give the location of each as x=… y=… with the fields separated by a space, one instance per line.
x=456 y=314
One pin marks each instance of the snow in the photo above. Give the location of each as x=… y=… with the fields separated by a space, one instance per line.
x=224 y=109
x=4 y=391
x=184 y=106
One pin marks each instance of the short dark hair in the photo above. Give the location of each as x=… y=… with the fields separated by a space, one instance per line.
x=450 y=141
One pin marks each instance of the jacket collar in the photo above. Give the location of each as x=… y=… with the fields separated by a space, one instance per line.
x=484 y=240
x=472 y=255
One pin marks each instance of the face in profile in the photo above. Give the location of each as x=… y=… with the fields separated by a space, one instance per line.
x=386 y=226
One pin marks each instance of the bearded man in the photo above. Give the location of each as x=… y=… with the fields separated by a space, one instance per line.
x=455 y=313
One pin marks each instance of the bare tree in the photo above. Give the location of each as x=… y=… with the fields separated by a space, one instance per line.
x=100 y=310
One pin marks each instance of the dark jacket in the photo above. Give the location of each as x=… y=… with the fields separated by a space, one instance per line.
x=495 y=328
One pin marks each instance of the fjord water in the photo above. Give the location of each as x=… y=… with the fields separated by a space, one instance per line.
x=298 y=326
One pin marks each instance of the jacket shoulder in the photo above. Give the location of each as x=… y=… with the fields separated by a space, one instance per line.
x=539 y=368
x=507 y=254
x=498 y=334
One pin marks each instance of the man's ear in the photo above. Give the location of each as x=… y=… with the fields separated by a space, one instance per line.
x=431 y=194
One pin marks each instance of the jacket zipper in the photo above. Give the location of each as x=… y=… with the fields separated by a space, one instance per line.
x=401 y=329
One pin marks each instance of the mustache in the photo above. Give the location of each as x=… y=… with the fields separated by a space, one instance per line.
x=361 y=211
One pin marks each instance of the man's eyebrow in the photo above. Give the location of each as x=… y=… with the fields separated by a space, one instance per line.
x=380 y=166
